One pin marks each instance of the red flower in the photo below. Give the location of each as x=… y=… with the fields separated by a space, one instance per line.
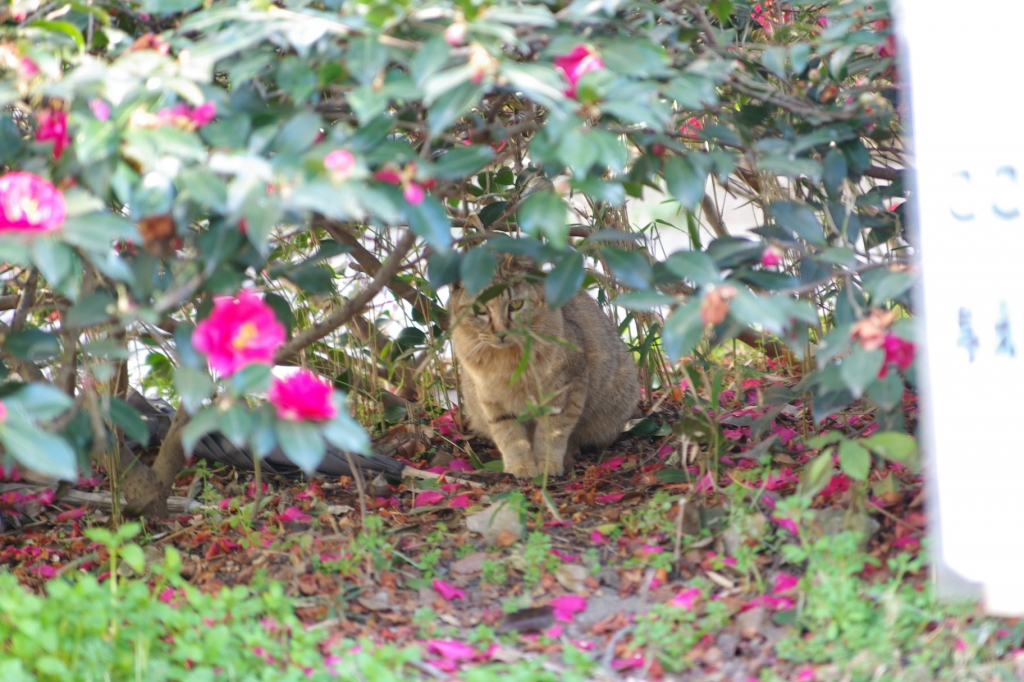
x=413 y=191
x=581 y=60
x=28 y=202
x=53 y=125
x=3 y=412
x=690 y=128
x=898 y=351
x=239 y=331
x=181 y=115
x=302 y=396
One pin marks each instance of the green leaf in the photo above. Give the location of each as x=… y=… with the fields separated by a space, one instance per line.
x=564 y=280
x=130 y=421
x=346 y=433
x=32 y=343
x=854 y=460
x=431 y=57
x=254 y=378
x=38 y=450
x=684 y=329
x=684 y=181
x=203 y=422
x=818 y=442
x=194 y=386
x=672 y=476
x=452 y=105
x=860 y=369
x=887 y=392
x=90 y=310
x=894 y=446
x=462 y=162
x=40 y=402
x=631 y=267
x=644 y=300
x=543 y=212
x=55 y=260
x=98 y=231
x=133 y=555
x=774 y=59
x=800 y=219
x=477 y=269
x=302 y=443
x=236 y=424
x=883 y=285
x=694 y=266
x=816 y=475
x=834 y=172
x=64 y=27
x=443 y=268
x=430 y=221
x=577 y=152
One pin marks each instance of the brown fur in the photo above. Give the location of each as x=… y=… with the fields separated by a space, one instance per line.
x=593 y=383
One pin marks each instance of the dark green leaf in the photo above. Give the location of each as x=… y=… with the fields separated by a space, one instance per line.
x=684 y=181
x=203 y=422
x=90 y=310
x=543 y=212
x=631 y=267
x=564 y=280
x=644 y=300
x=39 y=451
x=346 y=433
x=40 y=402
x=430 y=221
x=302 y=443
x=684 y=329
x=443 y=268
x=32 y=343
x=673 y=476
x=194 y=386
x=887 y=392
x=800 y=219
x=253 y=378
x=236 y=424
x=129 y=420
x=860 y=369
x=694 y=266
x=477 y=269
x=462 y=162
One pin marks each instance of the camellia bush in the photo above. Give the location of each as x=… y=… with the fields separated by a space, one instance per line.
x=220 y=187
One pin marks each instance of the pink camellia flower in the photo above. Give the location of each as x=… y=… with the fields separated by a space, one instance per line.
x=302 y=396
x=30 y=203
x=451 y=650
x=340 y=164
x=413 y=193
x=53 y=125
x=238 y=332
x=100 y=109
x=897 y=351
x=294 y=514
x=581 y=60
x=203 y=114
x=3 y=418
x=771 y=257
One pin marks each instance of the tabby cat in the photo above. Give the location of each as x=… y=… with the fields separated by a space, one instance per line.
x=578 y=366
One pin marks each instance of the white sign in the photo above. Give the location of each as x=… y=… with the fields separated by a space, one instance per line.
x=968 y=145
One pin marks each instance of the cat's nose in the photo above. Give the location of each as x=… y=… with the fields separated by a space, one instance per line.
x=500 y=334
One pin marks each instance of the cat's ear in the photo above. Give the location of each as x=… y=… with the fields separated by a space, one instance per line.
x=513 y=264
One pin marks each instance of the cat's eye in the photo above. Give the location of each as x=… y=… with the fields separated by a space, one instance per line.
x=516 y=304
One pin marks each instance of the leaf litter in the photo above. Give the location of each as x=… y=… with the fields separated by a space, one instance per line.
x=664 y=560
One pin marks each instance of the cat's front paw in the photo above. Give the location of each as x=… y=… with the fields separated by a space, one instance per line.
x=553 y=467
x=522 y=469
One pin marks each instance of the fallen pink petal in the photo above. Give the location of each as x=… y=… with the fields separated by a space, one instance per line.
x=447 y=590
x=461 y=502
x=451 y=650
x=428 y=498
x=568 y=606
x=686 y=598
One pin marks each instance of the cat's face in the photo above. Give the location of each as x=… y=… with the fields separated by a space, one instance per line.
x=502 y=321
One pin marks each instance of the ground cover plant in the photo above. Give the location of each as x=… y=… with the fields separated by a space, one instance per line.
x=254 y=211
